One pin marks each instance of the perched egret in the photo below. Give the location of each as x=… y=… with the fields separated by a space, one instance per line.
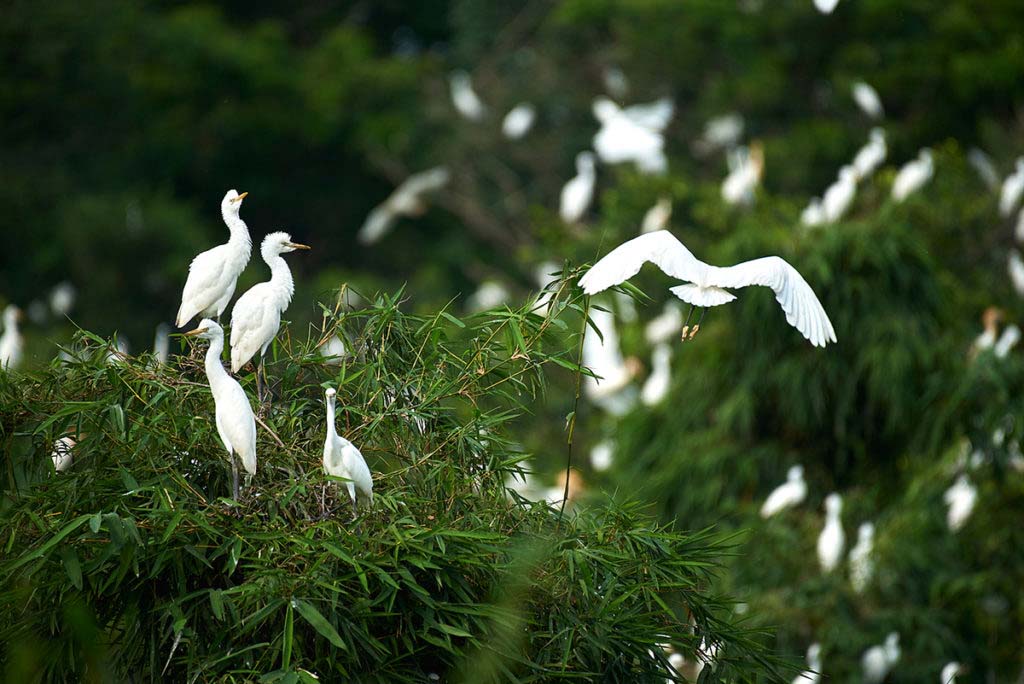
x=1013 y=188
x=871 y=156
x=878 y=660
x=62 y=298
x=343 y=459
x=602 y=455
x=949 y=673
x=601 y=355
x=813 y=214
x=721 y=132
x=862 y=566
x=408 y=199
x=62 y=455
x=579 y=191
x=1006 y=342
x=633 y=134
x=832 y=539
x=705 y=286
x=663 y=326
x=960 y=499
x=812 y=675
x=333 y=350
x=257 y=313
x=236 y=423
x=913 y=175
x=12 y=343
x=746 y=167
x=518 y=121
x=465 y=99
x=544 y=275
x=658 y=382
x=867 y=99
x=839 y=196
x=990 y=318
x=826 y=6
x=788 y=494
x=212 y=275
x=162 y=343
x=657 y=216
x=490 y=295
x=986 y=170
x=615 y=82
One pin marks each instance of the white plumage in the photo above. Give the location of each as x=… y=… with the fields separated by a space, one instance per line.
x=657 y=216
x=579 y=191
x=666 y=324
x=867 y=99
x=721 y=132
x=518 y=121
x=813 y=673
x=862 y=565
x=633 y=134
x=1013 y=188
x=960 y=499
x=490 y=295
x=658 y=382
x=212 y=274
x=826 y=6
x=949 y=673
x=601 y=355
x=465 y=99
x=871 y=155
x=62 y=455
x=832 y=539
x=1007 y=341
x=839 y=196
x=878 y=661
x=12 y=343
x=162 y=343
x=813 y=214
x=408 y=199
x=236 y=423
x=602 y=455
x=982 y=163
x=343 y=459
x=706 y=283
x=745 y=169
x=62 y=298
x=913 y=175
x=788 y=494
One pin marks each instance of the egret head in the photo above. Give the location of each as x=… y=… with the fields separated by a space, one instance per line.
x=925 y=155
x=584 y=162
x=866 y=532
x=208 y=329
x=12 y=315
x=279 y=243
x=604 y=109
x=330 y=393
x=814 y=654
x=232 y=202
x=833 y=504
x=795 y=474
x=892 y=646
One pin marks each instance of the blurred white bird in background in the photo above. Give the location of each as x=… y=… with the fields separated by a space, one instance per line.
x=466 y=101
x=62 y=455
x=491 y=294
x=960 y=499
x=545 y=274
x=705 y=286
x=120 y=349
x=12 y=342
x=746 y=166
x=235 y=421
x=1013 y=188
x=826 y=6
x=983 y=165
x=813 y=214
x=862 y=566
x=1007 y=341
x=633 y=134
x=615 y=82
x=664 y=326
x=408 y=199
x=343 y=459
x=870 y=157
x=720 y=133
x=518 y=121
x=878 y=661
x=990 y=318
x=62 y=299
x=839 y=196
x=213 y=273
x=813 y=673
x=602 y=455
x=601 y=354
x=949 y=672
x=657 y=216
x=913 y=175
x=867 y=99
x=658 y=382
x=832 y=539
x=579 y=191
x=256 y=315
x=333 y=351
x=788 y=494
x=162 y=343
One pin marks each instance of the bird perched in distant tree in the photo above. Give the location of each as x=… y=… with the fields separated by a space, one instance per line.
x=12 y=342
x=832 y=539
x=746 y=166
x=788 y=494
x=657 y=216
x=913 y=175
x=256 y=316
x=343 y=459
x=579 y=191
x=408 y=199
x=1013 y=188
x=949 y=673
x=236 y=423
x=871 y=156
x=633 y=134
x=878 y=661
x=960 y=499
x=867 y=99
x=212 y=275
x=813 y=673
x=466 y=101
x=658 y=382
x=706 y=285
x=839 y=196
x=518 y=121
x=862 y=566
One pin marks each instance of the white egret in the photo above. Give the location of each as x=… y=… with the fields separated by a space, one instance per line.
x=162 y=343
x=333 y=350
x=812 y=675
x=878 y=661
x=839 y=196
x=813 y=214
x=721 y=132
x=544 y=275
x=1012 y=190
x=913 y=175
x=862 y=565
x=658 y=382
x=62 y=455
x=1007 y=341
x=663 y=326
x=832 y=539
x=867 y=99
x=256 y=315
x=62 y=298
x=986 y=170
x=408 y=199
x=465 y=99
x=213 y=273
x=960 y=499
x=602 y=455
x=579 y=191
x=949 y=672
x=871 y=155
x=518 y=121
x=990 y=318
x=788 y=494
x=601 y=354
x=12 y=342
x=746 y=166
x=826 y=6
x=657 y=216
x=615 y=82
x=490 y=295
x=705 y=286
x=633 y=134
x=236 y=423
x=554 y=494
x=343 y=459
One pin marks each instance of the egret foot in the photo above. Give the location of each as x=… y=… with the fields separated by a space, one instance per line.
x=686 y=329
x=693 y=333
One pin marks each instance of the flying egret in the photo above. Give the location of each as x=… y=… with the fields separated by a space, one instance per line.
x=1013 y=188
x=579 y=191
x=960 y=499
x=236 y=423
x=633 y=134
x=657 y=216
x=343 y=459
x=812 y=675
x=518 y=121
x=913 y=175
x=826 y=6
x=862 y=566
x=658 y=382
x=982 y=163
x=867 y=99
x=746 y=166
x=162 y=343
x=257 y=313
x=408 y=199
x=212 y=274
x=871 y=155
x=839 y=196
x=602 y=455
x=62 y=455
x=12 y=342
x=788 y=494
x=664 y=325
x=832 y=539
x=949 y=672
x=813 y=214
x=878 y=661
x=705 y=286
x=1007 y=341
x=465 y=99
x=62 y=298
x=720 y=132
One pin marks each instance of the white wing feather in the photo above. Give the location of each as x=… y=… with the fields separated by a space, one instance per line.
x=236 y=424
x=254 y=323
x=653 y=115
x=661 y=248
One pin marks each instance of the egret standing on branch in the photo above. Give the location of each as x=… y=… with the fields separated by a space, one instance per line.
x=343 y=459
x=257 y=313
x=212 y=275
x=579 y=191
x=11 y=342
x=705 y=286
x=236 y=424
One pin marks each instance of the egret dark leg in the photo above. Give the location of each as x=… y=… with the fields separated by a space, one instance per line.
x=234 y=477
x=355 y=509
x=699 y=321
x=266 y=383
x=686 y=324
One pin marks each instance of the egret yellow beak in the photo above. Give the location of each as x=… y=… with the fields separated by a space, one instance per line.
x=193 y=333
x=296 y=245
x=240 y=197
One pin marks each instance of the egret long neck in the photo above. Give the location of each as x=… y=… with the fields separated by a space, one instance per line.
x=331 y=432
x=239 y=232
x=215 y=372
x=281 y=279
